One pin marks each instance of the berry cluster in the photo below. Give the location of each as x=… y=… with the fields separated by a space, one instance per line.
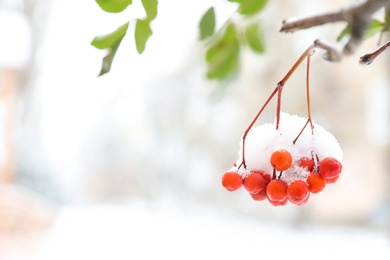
x=261 y=185
x=278 y=170
x=285 y=161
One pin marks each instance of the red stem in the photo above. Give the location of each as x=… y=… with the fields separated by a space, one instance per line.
x=251 y=125
x=278 y=107
x=309 y=120
x=303 y=128
x=308 y=94
x=308 y=52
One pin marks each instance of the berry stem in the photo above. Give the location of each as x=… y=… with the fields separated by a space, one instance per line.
x=308 y=93
x=309 y=120
x=251 y=125
x=308 y=52
x=278 y=107
x=303 y=128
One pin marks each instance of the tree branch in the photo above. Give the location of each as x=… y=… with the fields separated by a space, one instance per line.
x=357 y=16
x=291 y=25
x=333 y=53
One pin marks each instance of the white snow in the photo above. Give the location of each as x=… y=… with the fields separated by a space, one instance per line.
x=132 y=232
x=263 y=140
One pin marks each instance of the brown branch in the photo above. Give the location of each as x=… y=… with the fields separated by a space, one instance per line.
x=357 y=16
x=292 y=25
x=333 y=53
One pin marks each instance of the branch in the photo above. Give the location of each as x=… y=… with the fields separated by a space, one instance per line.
x=370 y=57
x=291 y=25
x=333 y=53
x=357 y=16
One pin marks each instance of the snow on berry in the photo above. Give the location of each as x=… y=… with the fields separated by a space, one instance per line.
x=263 y=140
x=277 y=153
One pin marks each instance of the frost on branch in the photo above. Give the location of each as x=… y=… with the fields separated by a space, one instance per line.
x=315 y=161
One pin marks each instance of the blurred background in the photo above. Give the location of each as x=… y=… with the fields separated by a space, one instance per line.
x=128 y=165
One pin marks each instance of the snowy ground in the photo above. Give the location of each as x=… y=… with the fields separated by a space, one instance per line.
x=118 y=232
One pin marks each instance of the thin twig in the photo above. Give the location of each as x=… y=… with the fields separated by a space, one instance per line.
x=308 y=52
x=309 y=120
x=333 y=52
x=367 y=59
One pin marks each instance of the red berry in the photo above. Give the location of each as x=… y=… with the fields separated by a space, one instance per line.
x=277 y=190
x=281 y=160
x=330 y=168
x=298 y=192
x=254 y=182
x=316 y=182
x=307 y=163
x=332 y=180
x=267 y=177
x=262 y=195
x=231 y=181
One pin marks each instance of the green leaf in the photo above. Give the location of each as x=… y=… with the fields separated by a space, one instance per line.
x=110 y=42
x=108 y=59
x=113 y=6
x=150 y=7
x=387 y=19
x=373 y=28
x=254 y=38
x=251 y=7
x=207 y=24
x=142 y=34
x=222 y=57
x=345 y=32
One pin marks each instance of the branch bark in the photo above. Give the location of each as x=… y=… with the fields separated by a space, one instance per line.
x=357 y=16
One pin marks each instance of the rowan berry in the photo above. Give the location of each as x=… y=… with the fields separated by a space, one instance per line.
x=267 y=177
x=261 y=195
x=330 y=168
x=231 y=181
x=306 y=162
x=316 y=182
x=281 y=160
x=297 y=192
x=332 y=180
x=254 y=182
x=277 y=190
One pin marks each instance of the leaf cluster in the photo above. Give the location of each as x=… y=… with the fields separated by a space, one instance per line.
x=372 y=29
x=224 y=44
x=111 y=41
